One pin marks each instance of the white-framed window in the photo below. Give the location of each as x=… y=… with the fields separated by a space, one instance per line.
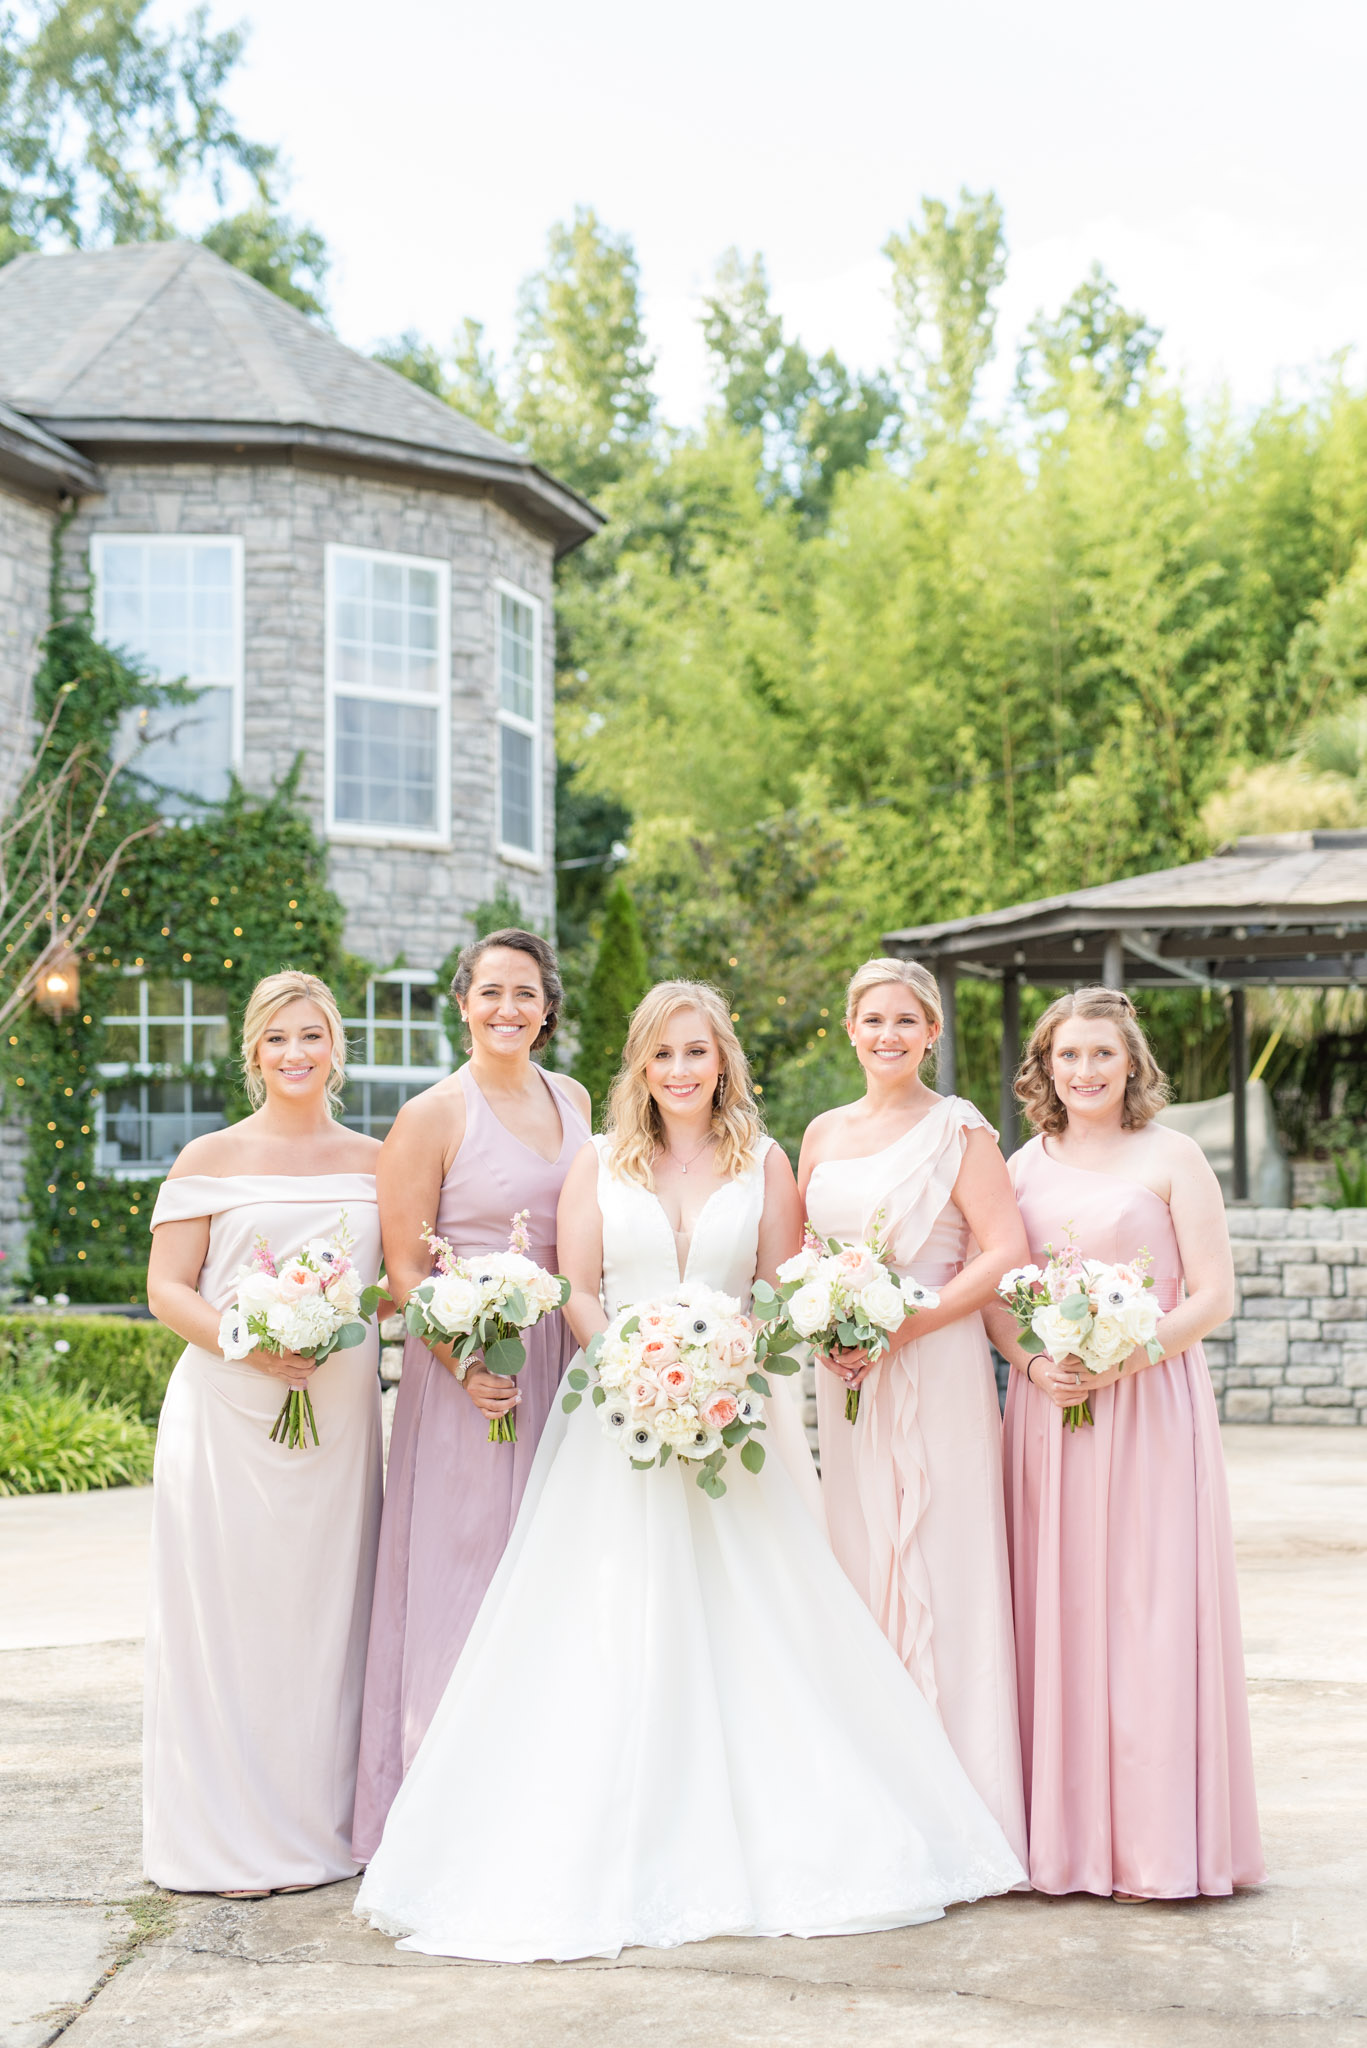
x=175 y=602
x=388 y=663
x=518 y=641
x=396 y=1050
x=144 y=1115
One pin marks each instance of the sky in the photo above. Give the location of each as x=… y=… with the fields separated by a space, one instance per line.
x=1210 y=157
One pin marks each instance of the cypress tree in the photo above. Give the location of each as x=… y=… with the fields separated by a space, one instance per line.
x=621 y=975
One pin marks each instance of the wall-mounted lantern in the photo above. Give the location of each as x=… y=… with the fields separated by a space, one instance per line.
x=59 y=984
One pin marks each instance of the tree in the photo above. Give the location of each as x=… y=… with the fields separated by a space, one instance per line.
x=621 y=976
x=815 y=420
x=466 y=377
x=1092 y=335
x=944 y=273
x=584 y=401
x=106 y=119
x=290 y=260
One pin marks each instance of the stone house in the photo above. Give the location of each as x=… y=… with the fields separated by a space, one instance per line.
x=343 y=565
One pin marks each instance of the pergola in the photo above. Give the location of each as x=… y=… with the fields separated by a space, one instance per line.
x=1288 y=909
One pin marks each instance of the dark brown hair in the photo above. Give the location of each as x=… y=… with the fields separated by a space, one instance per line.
x=1146 y=1090
x=539 y=949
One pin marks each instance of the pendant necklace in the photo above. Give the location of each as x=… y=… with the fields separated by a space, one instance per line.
x=683 y=1165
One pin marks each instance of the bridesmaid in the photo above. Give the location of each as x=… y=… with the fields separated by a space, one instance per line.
x=1134 y=1716
x=465 y=1156
x=263 y=1558
x=913 y=1489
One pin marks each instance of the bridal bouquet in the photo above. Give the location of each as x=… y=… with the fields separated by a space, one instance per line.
x=847 y=1297
x=684 y=1376
x=483 y=1302
x=1084 y=1308
x=313 y=1305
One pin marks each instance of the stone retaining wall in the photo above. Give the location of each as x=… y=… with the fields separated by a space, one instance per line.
x=1295 y=1349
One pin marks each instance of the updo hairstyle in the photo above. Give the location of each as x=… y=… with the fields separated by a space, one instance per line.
x=519 y=941
x=272 y=994
x=1146 y=1090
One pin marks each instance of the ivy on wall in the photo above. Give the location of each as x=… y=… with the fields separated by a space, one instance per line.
x=236 y=894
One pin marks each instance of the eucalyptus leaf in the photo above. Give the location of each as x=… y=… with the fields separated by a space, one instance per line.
x=600 y=1395
x=570 y=1402
x=514 y=1309
x=735 y=1433
x=506 y=1356
x=577 y=1377
x=371 y=1298
x=349 y=1336
x=752 y=1456
x=757 y=1383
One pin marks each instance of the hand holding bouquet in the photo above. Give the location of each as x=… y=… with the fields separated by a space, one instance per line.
x=1085 y=1309
x=846 y=1297
x=483 y=1302
x=682 y=1377
x=313 y=1305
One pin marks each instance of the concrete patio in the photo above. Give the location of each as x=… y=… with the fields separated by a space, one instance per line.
x=91 y=1954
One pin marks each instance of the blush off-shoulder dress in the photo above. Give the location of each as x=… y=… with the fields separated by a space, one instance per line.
x=1133 y=1707
x=262 y=1565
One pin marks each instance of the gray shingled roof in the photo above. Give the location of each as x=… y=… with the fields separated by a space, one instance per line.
x=33 y=457
x=165 y=342
x=1287 y=907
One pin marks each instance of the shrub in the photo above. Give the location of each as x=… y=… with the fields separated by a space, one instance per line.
x=110 y=1280
x=55 y=1441
x=126 y=1362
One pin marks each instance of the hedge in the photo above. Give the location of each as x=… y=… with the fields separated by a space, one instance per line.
x=109 y=1281
x=113 y=1355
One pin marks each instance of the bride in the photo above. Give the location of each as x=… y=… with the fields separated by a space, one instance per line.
x=674 y=1717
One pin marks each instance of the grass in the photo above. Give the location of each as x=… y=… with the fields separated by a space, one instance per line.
x=57 y=1438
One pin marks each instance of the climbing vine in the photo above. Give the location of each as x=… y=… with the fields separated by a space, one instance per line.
x=239 y=892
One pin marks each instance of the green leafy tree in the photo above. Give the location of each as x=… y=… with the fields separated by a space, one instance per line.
x=466 y=377
x=621 y=976
x=815 y=419
x=418 y=360
x=1092 y=335
x=584 y=401
x=290 y=260
x=944 y=271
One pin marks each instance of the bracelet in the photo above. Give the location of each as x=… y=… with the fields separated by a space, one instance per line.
x=1028 y=1363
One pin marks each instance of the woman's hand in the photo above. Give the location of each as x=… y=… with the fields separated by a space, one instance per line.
x=493 y=1393
x=853 y=1367
x=283 y=1365
x=1066 y=1383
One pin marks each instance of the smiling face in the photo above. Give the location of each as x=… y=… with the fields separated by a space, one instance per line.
x=295 y=1052
x=685 y=1066
x=891 y=1032
x=1089 y=1064
x=506 y=1004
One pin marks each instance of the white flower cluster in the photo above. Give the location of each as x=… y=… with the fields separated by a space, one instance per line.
x=303 y=1307
x=848 y=1296
x=506 y=1285
x=674 y=1375
x=1085 y=1308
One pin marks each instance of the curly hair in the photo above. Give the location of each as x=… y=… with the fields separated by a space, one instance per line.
x=272 y=994
x=1146 y=1090
x=633 y=1124
x=538 y=949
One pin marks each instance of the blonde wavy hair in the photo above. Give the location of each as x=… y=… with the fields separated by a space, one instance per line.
x=1146 y=1090
x=272 y=994
x=632 y=1122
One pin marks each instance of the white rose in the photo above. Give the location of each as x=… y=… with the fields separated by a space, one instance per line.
x=810 y=1308
x=801 y=1266
x=1106 y=1345
x=1058 y=1333
x=235 y=1340
x=882 y=1302
x=345 y=1293
x=454 y=1304
x=256 y=1291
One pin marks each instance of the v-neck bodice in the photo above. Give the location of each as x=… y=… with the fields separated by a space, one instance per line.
x=640 y=1250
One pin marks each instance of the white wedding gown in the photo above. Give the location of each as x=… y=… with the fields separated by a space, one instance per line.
x=674 y=1717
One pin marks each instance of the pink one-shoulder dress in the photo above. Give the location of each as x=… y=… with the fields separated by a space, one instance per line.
x=451 y=1497
x=1133 y=1707
x=913 y=1488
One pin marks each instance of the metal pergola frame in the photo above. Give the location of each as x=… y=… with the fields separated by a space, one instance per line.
x=1284 y=910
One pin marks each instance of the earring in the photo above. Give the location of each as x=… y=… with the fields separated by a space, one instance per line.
x=719 y=1091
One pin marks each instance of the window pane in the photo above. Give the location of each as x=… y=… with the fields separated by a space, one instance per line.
x=386 y=764
x=211 y=1041
x=166 y=1045
x=388 y=1045
x=517 y=657
x=389 y=999
x=425 y=1047
x=183 y=749
x=422 y=1000
x=165 y=998
x=517 y=754
x=121 y=1042
x=372 y=1106
x=385 y=623
x=147 y=1122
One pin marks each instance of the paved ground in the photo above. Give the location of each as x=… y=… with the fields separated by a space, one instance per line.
x=89 y=1953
